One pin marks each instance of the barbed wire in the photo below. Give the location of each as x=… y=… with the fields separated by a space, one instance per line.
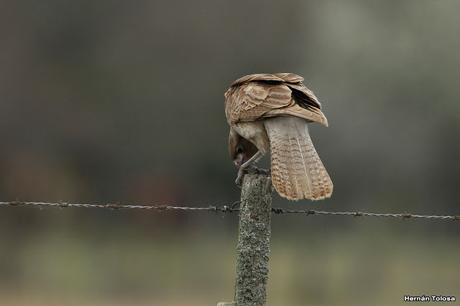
x=228 y=209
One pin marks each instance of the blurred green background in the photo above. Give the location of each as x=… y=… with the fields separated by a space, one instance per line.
x=122 y=101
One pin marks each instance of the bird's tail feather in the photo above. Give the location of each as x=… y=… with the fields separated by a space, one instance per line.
x=296 y=169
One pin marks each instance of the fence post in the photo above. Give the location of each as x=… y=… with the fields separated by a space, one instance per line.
x=253 y=247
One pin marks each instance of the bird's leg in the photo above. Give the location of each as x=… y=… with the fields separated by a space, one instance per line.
x=254 y=159
x=254 y=169
x=263 y=171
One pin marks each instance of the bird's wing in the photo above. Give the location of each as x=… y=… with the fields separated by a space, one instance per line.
x=259 y=96
x=251 y=101
x=258 y=77
x=268 y=77
x=289 y=77
x=304 y=96
x=314 y=115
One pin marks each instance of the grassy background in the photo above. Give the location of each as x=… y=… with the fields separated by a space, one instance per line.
x=359 y=262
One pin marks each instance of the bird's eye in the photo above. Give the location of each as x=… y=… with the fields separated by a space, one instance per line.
x=239 y=150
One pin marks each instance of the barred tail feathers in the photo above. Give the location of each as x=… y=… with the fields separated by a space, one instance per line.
x=296 y=169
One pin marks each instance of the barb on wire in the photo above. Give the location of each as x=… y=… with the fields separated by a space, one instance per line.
x=230 y=209
x=114 y=206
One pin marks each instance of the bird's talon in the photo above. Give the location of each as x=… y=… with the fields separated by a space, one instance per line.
x=263 y=171
x=256 y=170
x=239 y=178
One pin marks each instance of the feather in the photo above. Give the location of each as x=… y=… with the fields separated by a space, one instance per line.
x=271 y=112
x=296 y=169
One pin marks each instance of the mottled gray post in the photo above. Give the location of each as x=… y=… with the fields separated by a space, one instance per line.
x=253 y=247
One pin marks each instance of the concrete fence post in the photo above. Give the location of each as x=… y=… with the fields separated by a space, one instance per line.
x=253 y=247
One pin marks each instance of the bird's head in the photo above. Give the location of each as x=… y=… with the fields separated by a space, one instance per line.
x=240 y=149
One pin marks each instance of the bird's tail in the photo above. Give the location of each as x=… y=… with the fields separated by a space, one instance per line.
x=296 y=169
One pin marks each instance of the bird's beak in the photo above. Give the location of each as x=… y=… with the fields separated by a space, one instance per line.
x=238 y=161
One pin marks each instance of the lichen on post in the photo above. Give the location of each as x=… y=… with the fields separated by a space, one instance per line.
x=253 y=247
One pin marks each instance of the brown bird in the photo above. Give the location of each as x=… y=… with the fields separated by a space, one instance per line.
x=270 y=112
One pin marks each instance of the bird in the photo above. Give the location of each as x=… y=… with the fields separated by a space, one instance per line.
x=270 y=113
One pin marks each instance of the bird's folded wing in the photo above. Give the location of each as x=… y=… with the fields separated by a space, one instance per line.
x=314 y=115
x=264 y=77
x=257 y=100
x=289 y=77
x=304 y=95
x=253 y=100
x=261 y=77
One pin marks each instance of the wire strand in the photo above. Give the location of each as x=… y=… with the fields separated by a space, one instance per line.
x=227 y=209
